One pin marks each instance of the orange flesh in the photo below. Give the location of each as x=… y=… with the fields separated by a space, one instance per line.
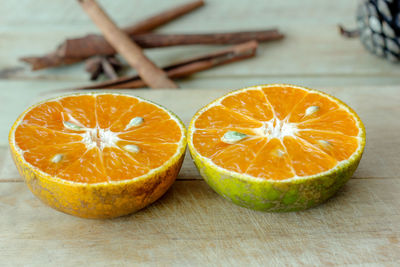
x=289 y=132
x=102 y=147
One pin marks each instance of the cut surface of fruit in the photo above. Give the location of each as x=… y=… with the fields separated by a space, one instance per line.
x=304 y=131
x=98 y=139
x=94 y=135
x=275 y=133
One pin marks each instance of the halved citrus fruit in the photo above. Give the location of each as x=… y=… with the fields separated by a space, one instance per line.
x=276 y=147
x=98 y=155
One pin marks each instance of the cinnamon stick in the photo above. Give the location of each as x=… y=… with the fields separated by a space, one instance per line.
x=155 y=21
x=133 y=54
x=348 y=33
x=108 y=69
x=55 y=58
x=77 y=51
x=186 y=67
x=72 y=49
x=108 y=65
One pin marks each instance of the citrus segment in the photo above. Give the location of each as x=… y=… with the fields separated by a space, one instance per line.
x=86 y=169
x=49 y=115
x=336 y=145
x=166 y=131
x=108 y=108
x=312 y=106
x=336 y=121
x=149 y=116
x=272 y=162
x=119 y=165
x=54 y=158
x=30 y=136
x=276 y=147
x=209 y=141
x=123 y=152
x=80 y=110
x=283 y=106
x=250 y=103
x=152 y=155
x=306 y=159
x=222 y=117
x=237 y=157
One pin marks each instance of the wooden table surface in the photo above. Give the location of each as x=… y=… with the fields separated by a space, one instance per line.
x=192 y=225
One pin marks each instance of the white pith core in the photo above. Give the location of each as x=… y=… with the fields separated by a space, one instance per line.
x=277 y=128
x=99 y=137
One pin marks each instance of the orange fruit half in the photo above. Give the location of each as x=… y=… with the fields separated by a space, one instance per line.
x=276 y=147
x=98 y=155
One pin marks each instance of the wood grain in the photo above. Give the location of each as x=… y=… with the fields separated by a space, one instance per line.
x=192 y=225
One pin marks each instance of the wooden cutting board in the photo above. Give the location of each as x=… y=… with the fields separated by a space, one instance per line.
x=192 y=225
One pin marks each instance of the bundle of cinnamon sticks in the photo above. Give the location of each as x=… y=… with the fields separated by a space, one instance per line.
x=99 y=50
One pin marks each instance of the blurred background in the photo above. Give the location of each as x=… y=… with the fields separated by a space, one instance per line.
x=313 y=52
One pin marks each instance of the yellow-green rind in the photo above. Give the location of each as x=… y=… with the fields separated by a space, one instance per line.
x=100 y=200
x=276 y=195
x=268 y=195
